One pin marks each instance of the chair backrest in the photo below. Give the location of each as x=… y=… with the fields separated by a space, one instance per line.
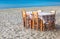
x=35 y=14
x=39 y=11
x=53 y=11
x=23 y=13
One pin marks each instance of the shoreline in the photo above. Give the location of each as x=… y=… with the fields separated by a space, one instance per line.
x=29 y=7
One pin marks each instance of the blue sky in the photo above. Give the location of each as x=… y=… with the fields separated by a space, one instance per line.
x=27 y=3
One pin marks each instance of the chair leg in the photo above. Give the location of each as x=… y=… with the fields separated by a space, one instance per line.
x=33 y=24
x=37 y=23
x=24 y=22
x=41 y=25
x=30 y=24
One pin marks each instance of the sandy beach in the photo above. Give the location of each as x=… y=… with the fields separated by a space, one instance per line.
x=11 y=24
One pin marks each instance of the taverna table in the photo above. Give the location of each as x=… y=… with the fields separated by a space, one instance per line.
x=39 y=20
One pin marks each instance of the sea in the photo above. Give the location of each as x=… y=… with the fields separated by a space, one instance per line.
x=27 y=3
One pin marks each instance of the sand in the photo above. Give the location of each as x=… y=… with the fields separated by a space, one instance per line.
x=11 y=24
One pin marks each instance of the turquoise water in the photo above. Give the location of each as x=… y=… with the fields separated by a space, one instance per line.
x=27 y=3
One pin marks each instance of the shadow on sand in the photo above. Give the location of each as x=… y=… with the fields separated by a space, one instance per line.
x=57 y=27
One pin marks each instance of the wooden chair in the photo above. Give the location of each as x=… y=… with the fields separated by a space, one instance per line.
x=35 y=20
x=53 y=23
x=41 y=22
x=24 y=17
x=29 y=19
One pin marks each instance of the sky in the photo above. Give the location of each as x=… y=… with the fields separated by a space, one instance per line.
x=28 y=3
